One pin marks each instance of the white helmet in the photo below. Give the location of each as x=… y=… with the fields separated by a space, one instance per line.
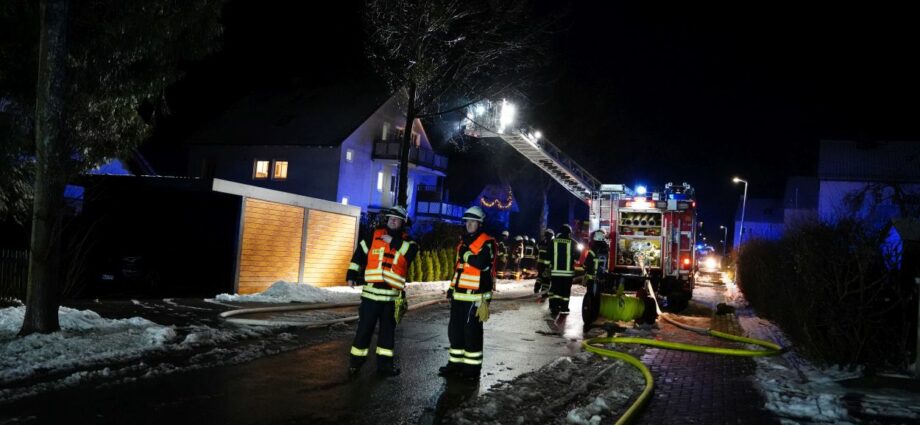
x=474 y=214
x=599 y=235
x=505 y=233
x=398 y=212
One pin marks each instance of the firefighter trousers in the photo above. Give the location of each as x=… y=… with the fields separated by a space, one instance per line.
x=369 y=314
x=560 y=289
x=465 y=334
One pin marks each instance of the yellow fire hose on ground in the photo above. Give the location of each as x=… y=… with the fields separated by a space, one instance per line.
x=593 y=345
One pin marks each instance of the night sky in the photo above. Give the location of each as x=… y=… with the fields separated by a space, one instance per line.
x=637 y=92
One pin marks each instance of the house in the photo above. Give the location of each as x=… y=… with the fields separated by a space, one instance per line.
x=763 y=219
x=868 y=180
x=338 y=143
x=800 y=201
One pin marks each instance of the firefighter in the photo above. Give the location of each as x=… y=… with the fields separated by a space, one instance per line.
x=382 y=262
x=562 y=256
x=470 y=292
x=542 y=283
x=503 y=254
x=517 y=254
x=595 y=260
x=529 y=259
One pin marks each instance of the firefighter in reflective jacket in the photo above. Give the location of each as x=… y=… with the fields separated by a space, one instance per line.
x=542 y=283
x=562 y=256
x=595 y=258
x=503 y=255
x=383 y=264
x=529 y=260
x=470 y=292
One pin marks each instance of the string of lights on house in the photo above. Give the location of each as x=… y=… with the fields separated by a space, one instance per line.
x=496 y=203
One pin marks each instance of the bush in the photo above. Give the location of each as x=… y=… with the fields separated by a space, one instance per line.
x=827 y=287
x=447 y=266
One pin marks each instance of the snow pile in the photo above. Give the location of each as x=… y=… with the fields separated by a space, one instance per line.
x=286 y=292
x=582 y=389
x=85 y=338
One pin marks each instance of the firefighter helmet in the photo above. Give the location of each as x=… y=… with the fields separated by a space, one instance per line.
x=519 y=238
x=599 y=235
x=398 y=212
x=505 y=233
x=474 y=214
x=566 y=230
x=549 y=233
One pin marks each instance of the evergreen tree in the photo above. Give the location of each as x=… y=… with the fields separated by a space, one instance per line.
x=435 y=266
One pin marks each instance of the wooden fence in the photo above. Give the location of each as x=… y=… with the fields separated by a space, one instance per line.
x=14 y=274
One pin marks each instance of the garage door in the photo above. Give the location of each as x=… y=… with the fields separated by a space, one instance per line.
x=271 y=245
x=330 y=244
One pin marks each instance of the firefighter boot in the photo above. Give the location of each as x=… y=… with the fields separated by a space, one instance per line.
x=451 y=369
x=470 y=372
x=385 y=367
x=354 y=366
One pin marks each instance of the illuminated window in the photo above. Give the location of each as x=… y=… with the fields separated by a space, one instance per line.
x=281 y=169
x=386 y=129
x=344 y=200
x=260 y=170
x=380 y=181
x=349 y=155
x=393 y=181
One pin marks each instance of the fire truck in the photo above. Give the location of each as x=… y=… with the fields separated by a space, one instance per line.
x=652 y=235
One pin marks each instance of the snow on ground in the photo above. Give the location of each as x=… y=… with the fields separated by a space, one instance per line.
x=581 y=389
x=796 y=390
x=287 y=292
x=90 y=347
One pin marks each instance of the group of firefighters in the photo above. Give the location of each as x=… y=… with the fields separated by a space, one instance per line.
x=381 y=264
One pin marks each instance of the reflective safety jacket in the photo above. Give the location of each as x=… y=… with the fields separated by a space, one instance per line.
x=386 y=265
x=530 y=250
x=542 y=256
x=562 y=255
x=594 y=261
x=475 y=268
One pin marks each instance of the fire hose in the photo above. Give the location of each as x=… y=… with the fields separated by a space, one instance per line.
x=230 y=315
x=593 y=345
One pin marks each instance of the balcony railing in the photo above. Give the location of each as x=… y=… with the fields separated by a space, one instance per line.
x=440 y=210
x=423 y=157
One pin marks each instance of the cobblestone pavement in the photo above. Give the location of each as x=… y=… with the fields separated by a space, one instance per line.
x=697 y=388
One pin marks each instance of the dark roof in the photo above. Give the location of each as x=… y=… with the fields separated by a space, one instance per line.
x=875 y=161
x=801 y=193
x=761 y=211
x=295 y=115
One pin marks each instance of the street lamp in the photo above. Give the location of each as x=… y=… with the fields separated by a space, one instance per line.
x=724 y=238
x=743 y=204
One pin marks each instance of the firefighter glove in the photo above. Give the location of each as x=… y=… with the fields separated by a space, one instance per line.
x=450 y=293
x=482 y=312
x=400 y=306
x=463 y=250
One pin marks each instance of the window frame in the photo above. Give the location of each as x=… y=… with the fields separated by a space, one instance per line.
x=274 y=169
x=255 y=169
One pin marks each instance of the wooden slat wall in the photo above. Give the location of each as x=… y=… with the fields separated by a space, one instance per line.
x=330 y=244
x=271 y=248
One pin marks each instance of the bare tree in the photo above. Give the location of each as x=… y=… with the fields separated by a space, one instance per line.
x=99 y=63
x=445 y=55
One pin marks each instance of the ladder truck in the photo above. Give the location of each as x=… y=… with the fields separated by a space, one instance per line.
x=658 y=226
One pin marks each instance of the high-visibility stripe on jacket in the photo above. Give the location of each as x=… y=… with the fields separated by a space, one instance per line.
x=385 y=264
x=470 y=276
x=563 y=258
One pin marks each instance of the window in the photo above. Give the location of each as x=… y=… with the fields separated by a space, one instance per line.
x=415 y=139
x=281 y=169
x=260 y=170
x=386 y=130
x=349 y=155
x=393 y=181
x=380 y=181
x=344 y=200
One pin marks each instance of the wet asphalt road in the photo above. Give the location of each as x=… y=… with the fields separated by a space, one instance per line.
x=309 y=385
